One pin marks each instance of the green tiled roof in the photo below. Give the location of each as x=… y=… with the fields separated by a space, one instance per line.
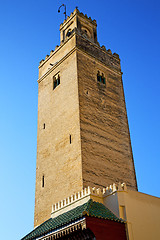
x=90 y=208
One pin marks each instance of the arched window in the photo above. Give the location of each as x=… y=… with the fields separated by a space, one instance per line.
x=86 y=32
x=69 y=32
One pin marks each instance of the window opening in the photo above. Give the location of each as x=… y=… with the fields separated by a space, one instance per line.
x=43 y=181
x=44 y=126
x=56 y=81
x=101 y=78
x=70 y=139
x=69 y=33
x=98 y=77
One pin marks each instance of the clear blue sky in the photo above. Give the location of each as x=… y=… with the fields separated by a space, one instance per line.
x=29 y=30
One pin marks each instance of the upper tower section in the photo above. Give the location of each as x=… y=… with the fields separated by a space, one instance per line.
x=82 y=23
x=79 y=32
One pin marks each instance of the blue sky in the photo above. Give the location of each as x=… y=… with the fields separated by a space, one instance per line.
x=29 y=30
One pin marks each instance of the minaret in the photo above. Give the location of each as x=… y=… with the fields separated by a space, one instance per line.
x=83 y=134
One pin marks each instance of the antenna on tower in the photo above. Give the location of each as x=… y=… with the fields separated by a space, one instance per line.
x=63 y=5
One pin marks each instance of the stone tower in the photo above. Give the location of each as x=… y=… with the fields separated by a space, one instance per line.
x=83 y=135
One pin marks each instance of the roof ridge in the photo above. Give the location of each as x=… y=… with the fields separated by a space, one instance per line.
x=89 y=204
x=97 y=209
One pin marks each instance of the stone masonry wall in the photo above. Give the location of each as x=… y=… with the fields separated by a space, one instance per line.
x=106 y=150
x=94 y=114
x=58 y=160
x=100 y=53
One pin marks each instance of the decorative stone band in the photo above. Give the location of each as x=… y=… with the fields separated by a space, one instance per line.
x=96 y=194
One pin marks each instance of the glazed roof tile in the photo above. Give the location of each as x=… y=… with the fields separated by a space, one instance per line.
x=90 y=208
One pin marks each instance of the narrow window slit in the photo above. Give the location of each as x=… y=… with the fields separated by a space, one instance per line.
x=70 y=139
x=44 y=126
x=43 y=181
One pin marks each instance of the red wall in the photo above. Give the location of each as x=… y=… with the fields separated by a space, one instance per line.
x=106 y=229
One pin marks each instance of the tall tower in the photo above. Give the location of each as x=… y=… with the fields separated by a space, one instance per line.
x=83 y=135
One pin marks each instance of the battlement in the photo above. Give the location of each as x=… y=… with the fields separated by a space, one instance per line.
x=48 y=56
x=77 y=12
x=83 y=196
x=52 y=52
x=113 y=188
x=57 y=46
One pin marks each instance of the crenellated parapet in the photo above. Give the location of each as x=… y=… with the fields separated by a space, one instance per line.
x=113 y=188
x=86 y=44
x=48 y=56
x=99 y=52
x=76 y=11
x=83 y=196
